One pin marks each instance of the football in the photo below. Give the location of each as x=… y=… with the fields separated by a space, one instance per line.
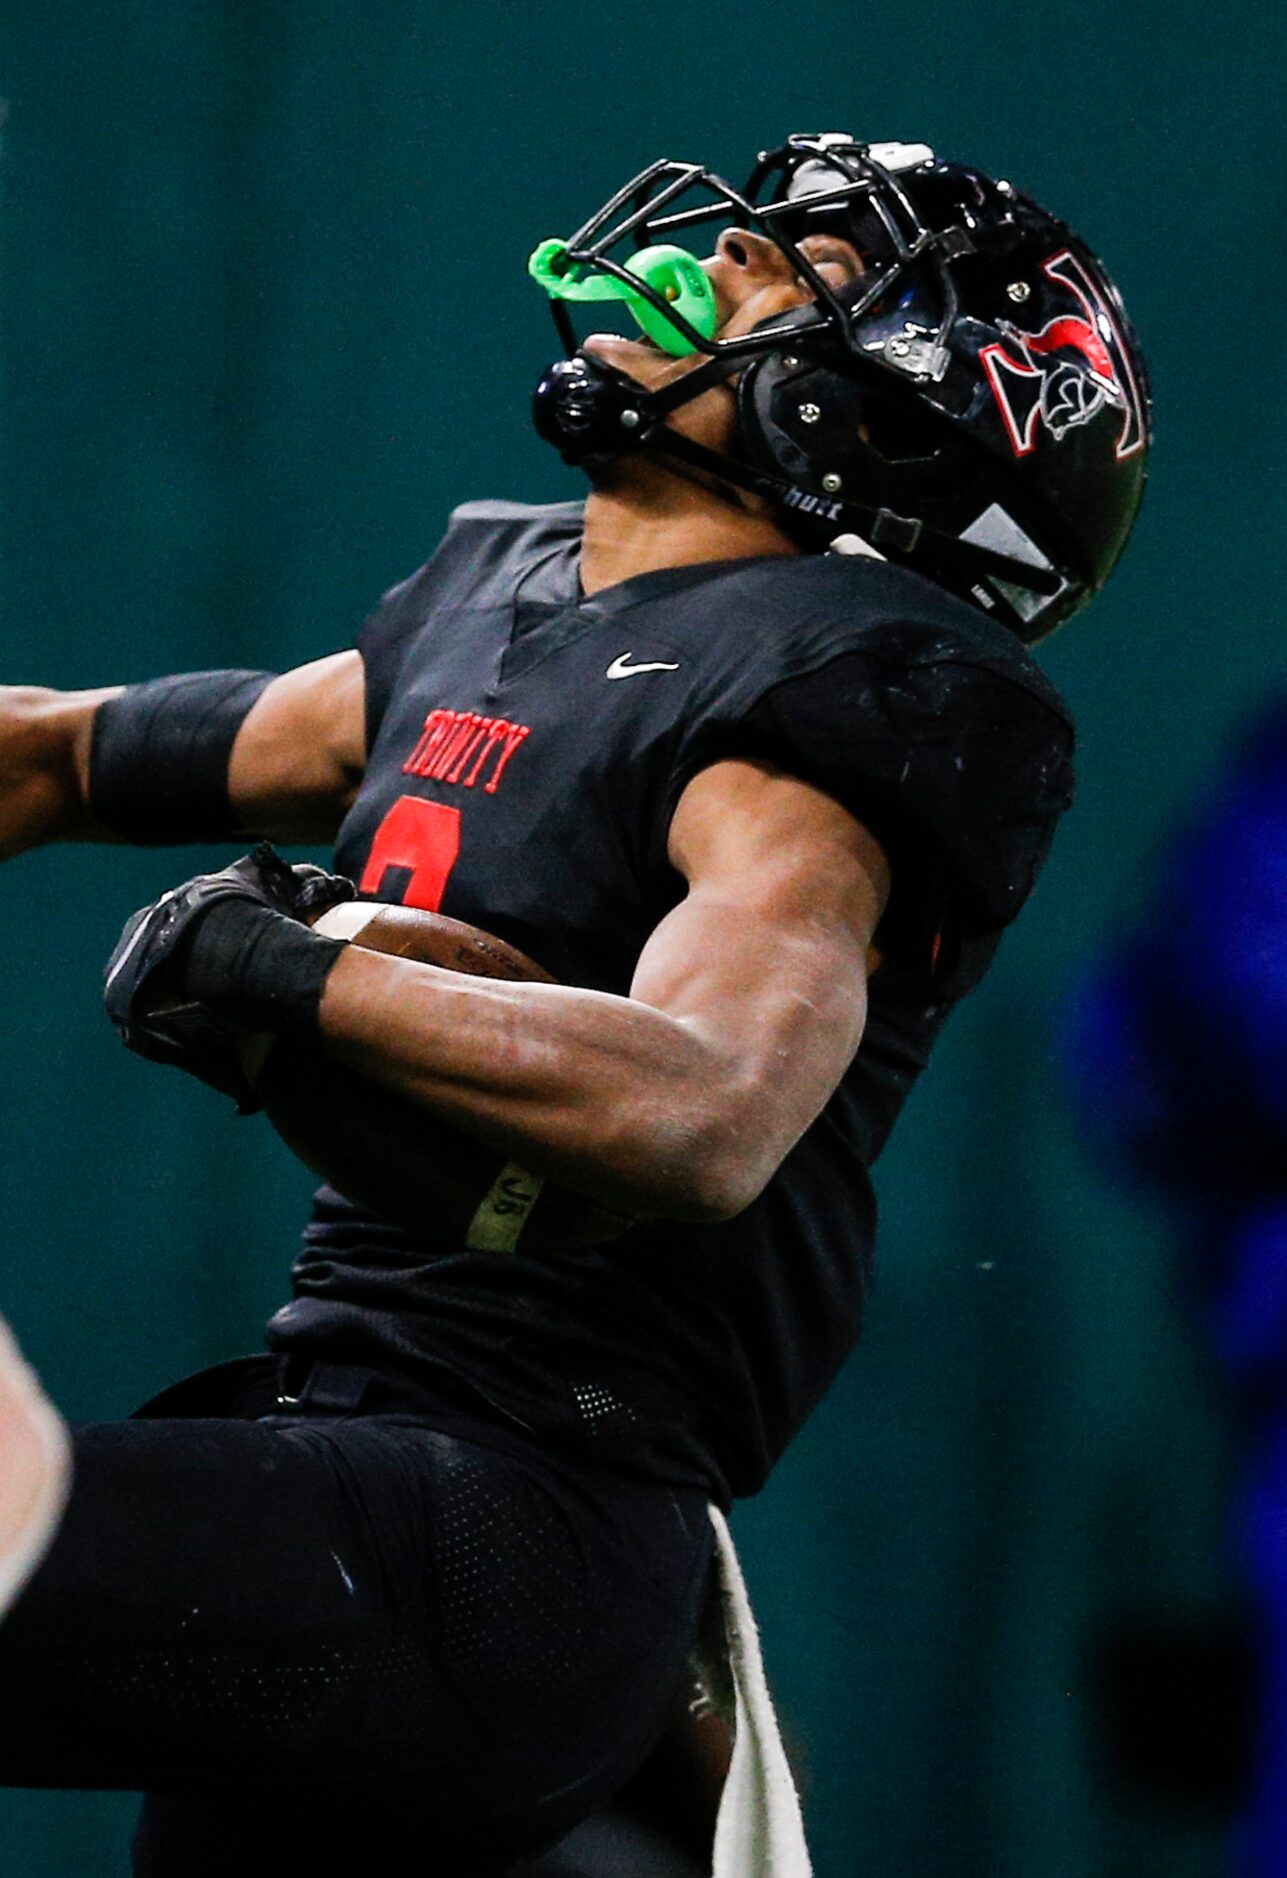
x=389 y=1155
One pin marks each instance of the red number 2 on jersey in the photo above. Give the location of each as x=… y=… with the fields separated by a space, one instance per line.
x=419 y=835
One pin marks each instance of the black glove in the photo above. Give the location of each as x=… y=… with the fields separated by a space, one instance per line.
x=220 y=958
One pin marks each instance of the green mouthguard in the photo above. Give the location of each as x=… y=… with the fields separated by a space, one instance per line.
x=675 y=274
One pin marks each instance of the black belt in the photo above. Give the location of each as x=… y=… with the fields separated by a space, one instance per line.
x=333 y=1388
x=251 y=1386
x=300 y=1384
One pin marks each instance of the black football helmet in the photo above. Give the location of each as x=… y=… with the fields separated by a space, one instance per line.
x=975 y=406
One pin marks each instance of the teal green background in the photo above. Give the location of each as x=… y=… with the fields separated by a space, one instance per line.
x=263 y=319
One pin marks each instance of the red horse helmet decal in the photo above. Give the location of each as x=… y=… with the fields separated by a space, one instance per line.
x=1063 y=375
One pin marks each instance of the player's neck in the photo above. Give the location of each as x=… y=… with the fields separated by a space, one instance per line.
x=631 y=530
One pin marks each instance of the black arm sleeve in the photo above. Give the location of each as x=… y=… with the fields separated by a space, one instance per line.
x=158 y=766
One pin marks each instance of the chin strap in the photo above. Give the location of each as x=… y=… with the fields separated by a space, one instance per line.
x=901 y=536
x=587 y=408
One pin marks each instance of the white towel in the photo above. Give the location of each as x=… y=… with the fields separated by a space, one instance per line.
x=760 y=1829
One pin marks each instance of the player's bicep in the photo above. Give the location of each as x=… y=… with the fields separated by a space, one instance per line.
x=300 y=754
x=767 y=956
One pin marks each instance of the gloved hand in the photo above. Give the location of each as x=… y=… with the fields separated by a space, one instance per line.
x=220 y=958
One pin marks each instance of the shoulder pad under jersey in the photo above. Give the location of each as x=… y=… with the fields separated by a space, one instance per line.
x=930 y=722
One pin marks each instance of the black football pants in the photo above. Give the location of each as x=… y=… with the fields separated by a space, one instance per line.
x=347 y=1644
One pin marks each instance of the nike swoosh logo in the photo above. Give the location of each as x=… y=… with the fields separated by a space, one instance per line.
x=622 y=668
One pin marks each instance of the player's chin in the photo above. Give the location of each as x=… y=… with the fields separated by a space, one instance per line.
x=639 y=359
x=605 y=473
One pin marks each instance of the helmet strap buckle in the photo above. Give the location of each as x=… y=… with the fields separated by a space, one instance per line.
x=897 y=532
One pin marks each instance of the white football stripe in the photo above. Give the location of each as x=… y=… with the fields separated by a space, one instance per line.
x=347 y=920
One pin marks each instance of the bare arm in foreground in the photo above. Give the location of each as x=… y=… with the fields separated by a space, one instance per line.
x=747 y=1006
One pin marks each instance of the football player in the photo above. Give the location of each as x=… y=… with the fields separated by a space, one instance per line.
x=749 y=752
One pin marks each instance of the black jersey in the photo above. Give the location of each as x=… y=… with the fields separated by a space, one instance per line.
x=527 y=749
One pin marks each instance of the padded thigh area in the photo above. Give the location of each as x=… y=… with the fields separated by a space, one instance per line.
x=384 y=1615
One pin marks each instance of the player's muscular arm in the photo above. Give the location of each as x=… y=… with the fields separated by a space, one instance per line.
x=299 y=756
x=295 y=764
x=747 y=1006
x=44 y=755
